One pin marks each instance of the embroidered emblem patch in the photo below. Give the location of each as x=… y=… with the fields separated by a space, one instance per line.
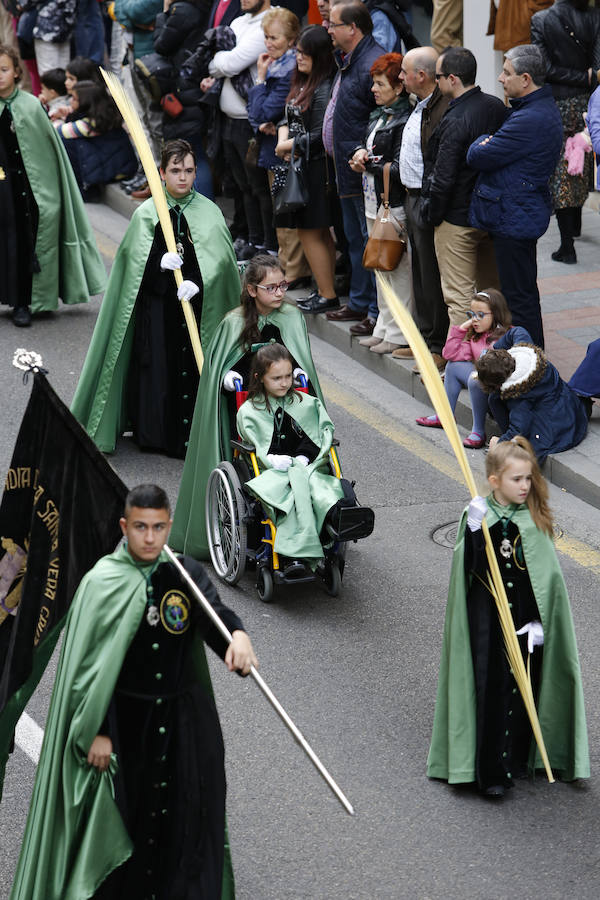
x=175 y=612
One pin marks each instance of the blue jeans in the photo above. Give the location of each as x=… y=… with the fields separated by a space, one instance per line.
x=363 y=296
x=457 y=375
x=203 y=182
x=89 y=31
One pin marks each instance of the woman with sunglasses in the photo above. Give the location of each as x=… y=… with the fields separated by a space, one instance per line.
x=489 y=318
x=263 y=317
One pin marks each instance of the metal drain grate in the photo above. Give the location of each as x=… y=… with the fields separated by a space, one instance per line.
x=445 y=535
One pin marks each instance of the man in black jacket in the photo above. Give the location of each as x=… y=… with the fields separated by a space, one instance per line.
x=465 y=255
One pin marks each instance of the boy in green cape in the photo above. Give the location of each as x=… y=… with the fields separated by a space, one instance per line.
x=129 y=797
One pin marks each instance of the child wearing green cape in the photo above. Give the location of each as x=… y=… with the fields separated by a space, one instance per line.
x=292 y=435
x=481 y=731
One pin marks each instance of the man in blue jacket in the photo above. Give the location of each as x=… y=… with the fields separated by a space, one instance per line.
x=511 y=199
x=344 y=127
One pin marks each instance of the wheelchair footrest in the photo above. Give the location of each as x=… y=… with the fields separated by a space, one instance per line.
x=294 y=572
x=349 y=523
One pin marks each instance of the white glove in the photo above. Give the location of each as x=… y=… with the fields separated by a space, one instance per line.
x=535 y=635
x=303 y=460
x=187 y=290
x=230 y=379
x=476 y=513
x=297 y=373
x=281 y=463
x=170 y=262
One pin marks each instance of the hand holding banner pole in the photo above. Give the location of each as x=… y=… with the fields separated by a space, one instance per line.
x=263 y=686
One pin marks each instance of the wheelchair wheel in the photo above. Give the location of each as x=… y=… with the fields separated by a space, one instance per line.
x=225 y=526
x=264 y=584
x=332 y=579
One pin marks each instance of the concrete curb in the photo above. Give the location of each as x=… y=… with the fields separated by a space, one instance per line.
x=576 y=472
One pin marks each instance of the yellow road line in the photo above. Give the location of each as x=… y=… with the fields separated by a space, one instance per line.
x=578 y=551
x=107 y=246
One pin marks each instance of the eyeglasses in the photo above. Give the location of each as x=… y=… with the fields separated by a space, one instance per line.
x=478 y=315
x=439 y=75
x=302 y=53
x=273 y=288
x=338 y=25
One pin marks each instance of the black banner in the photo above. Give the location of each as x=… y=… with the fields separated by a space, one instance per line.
x=59 y=514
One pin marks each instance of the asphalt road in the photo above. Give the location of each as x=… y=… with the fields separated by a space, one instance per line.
x=358 y=674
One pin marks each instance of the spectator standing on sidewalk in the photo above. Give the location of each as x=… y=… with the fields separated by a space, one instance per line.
x=237 y=131
x=568 y=34
x=465 y=254
x=512 y=199
x=344 y=127
x=138 y=18
x=418 y=76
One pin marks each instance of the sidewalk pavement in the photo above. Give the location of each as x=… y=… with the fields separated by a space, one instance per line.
x=571 y=313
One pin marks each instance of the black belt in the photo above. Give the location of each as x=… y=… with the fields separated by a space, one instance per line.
x=413 y=192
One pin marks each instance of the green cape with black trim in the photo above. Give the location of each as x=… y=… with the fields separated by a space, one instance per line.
x=560 y=702
x=100 y=401
x=70 y=266
x=75 y=835
x=211 y=429
x=296 y=500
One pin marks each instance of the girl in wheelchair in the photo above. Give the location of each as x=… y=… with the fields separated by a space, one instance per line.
x=292 y=436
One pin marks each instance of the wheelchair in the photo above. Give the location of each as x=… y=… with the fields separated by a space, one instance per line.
x=242 y=536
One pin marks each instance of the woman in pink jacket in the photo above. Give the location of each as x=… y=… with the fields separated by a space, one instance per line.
x=488 y=320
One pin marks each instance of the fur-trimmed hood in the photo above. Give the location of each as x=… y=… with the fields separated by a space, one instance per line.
x=530 y=366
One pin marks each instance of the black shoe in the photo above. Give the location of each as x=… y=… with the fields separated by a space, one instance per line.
x=299 y=283
x=21 y=316
x=317 y=304
x=349 y=523
x=239 y=243
x=247 y=251
x=494 y=791
x=565 y=256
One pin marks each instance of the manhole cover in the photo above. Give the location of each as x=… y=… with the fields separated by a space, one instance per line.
x=445 y=535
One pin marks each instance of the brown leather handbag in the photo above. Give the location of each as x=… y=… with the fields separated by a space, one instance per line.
x=388 y=239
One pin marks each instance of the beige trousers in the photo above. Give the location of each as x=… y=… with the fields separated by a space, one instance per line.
x=7 y=36
x=447 y=24
x=291 y=255
x=400 y=280
x=467 y=264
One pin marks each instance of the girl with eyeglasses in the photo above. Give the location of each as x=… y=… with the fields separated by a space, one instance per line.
x=488 y=320
x=264 y=317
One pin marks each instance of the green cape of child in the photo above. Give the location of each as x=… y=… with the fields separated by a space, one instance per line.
x=75 y=835
x=100 y=401
x=211 y=429
x=70 y=266
x=560 y=702
x=296 y=500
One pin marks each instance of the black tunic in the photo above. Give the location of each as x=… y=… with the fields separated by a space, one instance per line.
x=18 y=220
x=170 y=788
x=503 y=730
x=163 y=375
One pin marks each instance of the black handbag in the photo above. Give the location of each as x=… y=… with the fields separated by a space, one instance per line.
x=294 y=193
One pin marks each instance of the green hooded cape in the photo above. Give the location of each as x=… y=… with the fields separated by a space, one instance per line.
x=560 y=702
x=70 y=265
x=297 y=500
x=75 y=835
x=211 y=428
x=100 y=401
